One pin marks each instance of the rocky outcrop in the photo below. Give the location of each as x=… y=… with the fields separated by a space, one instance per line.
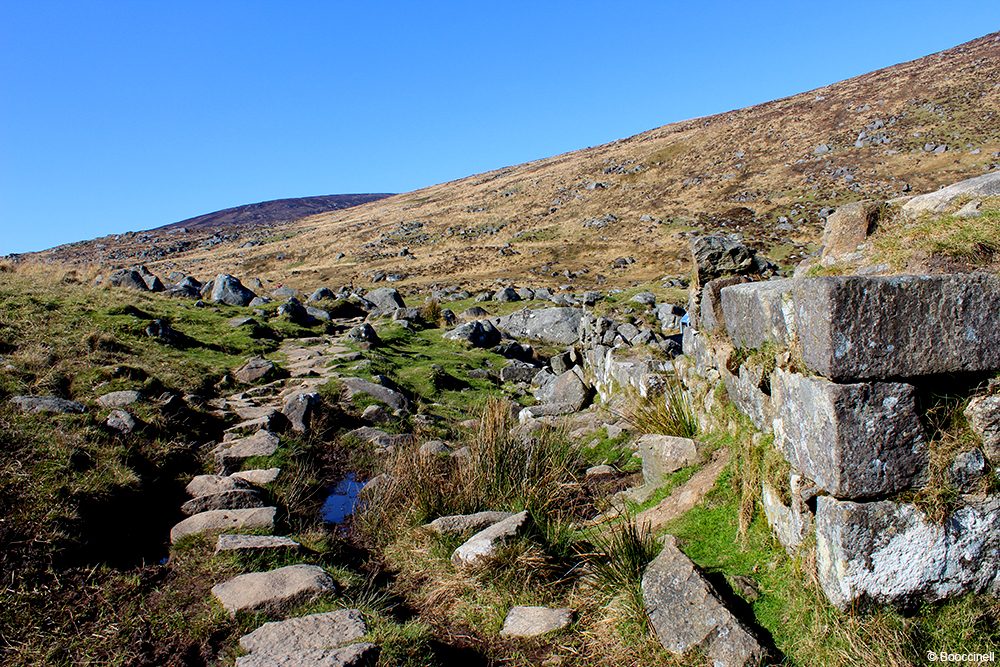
x=552 y=326
x=987 y=185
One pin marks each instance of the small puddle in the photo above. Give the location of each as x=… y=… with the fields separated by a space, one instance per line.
x=343 y=500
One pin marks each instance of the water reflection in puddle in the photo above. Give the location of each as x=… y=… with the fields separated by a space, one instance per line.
x=342 y=501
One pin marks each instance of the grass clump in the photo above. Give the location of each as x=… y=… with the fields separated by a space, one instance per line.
x=668 y=414
x=974 y=241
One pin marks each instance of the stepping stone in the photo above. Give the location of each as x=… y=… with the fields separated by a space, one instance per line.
x=273 y=589
x=219 y=520
x=686 y=613
x=258 y=477
x=466 y=523
x=535 y=621
x=230 y=455
x=483 y=545
x=204 y=485
x=237 y=499
x=235 y=543
x=355 y=655
x=272 y=421
x=332 y=629
x=119 y=399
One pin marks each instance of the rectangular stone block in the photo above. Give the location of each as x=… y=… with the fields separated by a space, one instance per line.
x=759 y=312
x=891 y=553
x=710 y=316
x=871 y=328
x=853 y=440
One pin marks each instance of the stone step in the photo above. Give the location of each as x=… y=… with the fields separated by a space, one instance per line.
x=535 y=621
x=230 y=543
x=234 y=499
x=257 y=477
x=204 y=485
x=230 y=455
x=273 y=589
x=328 y=630
x=220 y=520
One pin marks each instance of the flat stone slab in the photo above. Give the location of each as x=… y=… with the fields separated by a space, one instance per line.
x=219 y=520
x=457 y=524
x=892 y=553
x=230 y=455
x=483 y=545
x=987 y=185
x=317 y=631
x=119 y=399
x=686 y=613
x=249 y=543
x=885 y=327
x=204 y=485
x=235 y=499
x=273 y=589
x=355 y=655
x=854 y=440
x=258 y=477
x=43 y=404
x=664 y=454
x=535 y=621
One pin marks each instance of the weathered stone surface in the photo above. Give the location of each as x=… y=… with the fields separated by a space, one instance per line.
x=983 y=413
x=759 y=312
x=853 y=440
x=386 y=298
x=597 y=472
x=861 y=328
x=43 y=404
x=121 y=421
x=273 y=589
x=686 y=613
x=364 y=333
x=720 y=255
x=391 y=397
x=554 y=326
x=230 y=455
x=258 y=477
x=791 y=523
x=229 y=290
x=466 y=523
x=362 y=654
x=710 y=314
x=220 y=520
x=480 y=333
x=535 y=621
x=316 y=631
x=569 y=389
x=483 y=545
x=298 y=410
x=518 y=371
x=119 y=399
x=847 y=229
x=664 y=454
x=987 y=185
x=224 y=500
x=204 y=485
x=254 y=543
x=434 y=448
x=749 y=390
x=255 y=370
x=891 y=553
x=128 y=278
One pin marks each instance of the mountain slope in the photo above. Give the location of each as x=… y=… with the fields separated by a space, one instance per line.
x=766 y=171
x=276 y=211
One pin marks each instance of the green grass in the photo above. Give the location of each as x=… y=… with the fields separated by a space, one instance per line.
x=973 y=240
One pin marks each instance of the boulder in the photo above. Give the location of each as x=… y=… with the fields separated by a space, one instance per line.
x=721 y=255
x=46 y=404
x=710 y=315
x=235 y=499
x=227 y=543
x=255 y=370
x=480 y=333
x=686 y=613
x=518 y=371
x=460 y=524
x=987 y=185
x=295 y=312
x=847 y=229
x=506 y=295
x=322 y=294
x=553 y=326
x=882 y=327
x=121 y=421
x=535 y=621
x=119 y=399
x=230 y=455
x=390 y=397
x=474 y=313
x=758 y=312
x=385 y=298
x=315 y=631
x=983 y=413
x=853 y=440
x=129 y=279
x=298 y=409
x=223 y=520
x=892 y=553
x=569 y=389
x=364 y=333
x=483 y=545
x=229 y=290
x=273 y=589
x=664 y=454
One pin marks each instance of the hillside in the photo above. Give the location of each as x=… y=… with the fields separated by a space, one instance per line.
x=766 y=171
x=276 y=211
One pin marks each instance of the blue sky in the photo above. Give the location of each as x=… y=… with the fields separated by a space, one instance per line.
x=119 y=116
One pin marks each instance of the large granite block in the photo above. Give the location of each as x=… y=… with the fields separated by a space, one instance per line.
x=759 y=312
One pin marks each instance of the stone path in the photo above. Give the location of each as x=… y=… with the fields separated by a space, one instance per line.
x=233 y=500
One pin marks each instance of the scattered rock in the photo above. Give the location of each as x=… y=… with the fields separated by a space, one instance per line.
x=121 y=421
x=480 y=333
x=273 y=589
x=483 y=545
x=258 y=477
x=328 y=630
x=553 y=326
x=664 y=454
x=222 y=520
x=229 y=290
x=203 y=485
x=459 y=524
x=230 y=455
x=535 y=621
x=255 y=370
x=364 y=333
x=392 y=398
x=119 y=399
x=385 y=298
x=43 y=404
x=298 y=409
x=227 y=543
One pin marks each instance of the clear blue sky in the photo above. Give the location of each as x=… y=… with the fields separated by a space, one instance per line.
x=119 y=116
